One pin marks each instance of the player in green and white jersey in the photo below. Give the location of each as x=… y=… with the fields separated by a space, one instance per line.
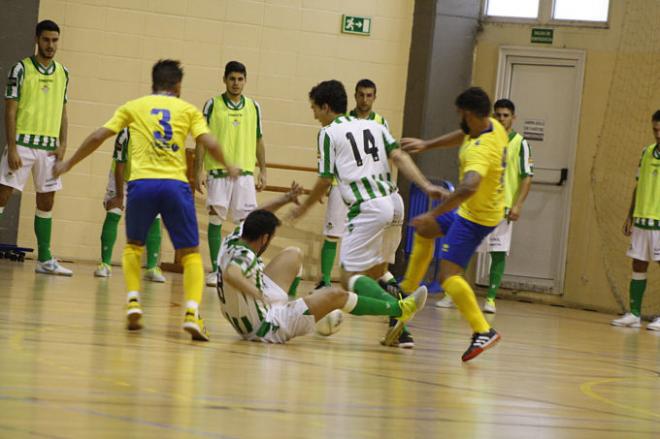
x=643 y=225
x=335 y=212
x=252 y=294
x=356 y=152
x=36 y=131
x=113 y=202
x=235 y=122
x=517 y=183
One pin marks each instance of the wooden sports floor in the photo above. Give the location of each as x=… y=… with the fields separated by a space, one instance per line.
x=69 y=369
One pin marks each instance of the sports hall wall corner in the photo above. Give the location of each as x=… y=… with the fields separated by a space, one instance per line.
x=287 y=47
x=620 y=94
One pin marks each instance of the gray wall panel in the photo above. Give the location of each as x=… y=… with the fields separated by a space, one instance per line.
x=17 y=22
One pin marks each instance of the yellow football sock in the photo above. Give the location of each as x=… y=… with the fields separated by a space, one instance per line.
x=463 y=296
x=193 y=277
x=418 y=264
x=131 y=265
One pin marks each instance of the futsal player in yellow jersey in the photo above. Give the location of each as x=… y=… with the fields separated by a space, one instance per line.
x=159 y=125
x=36 y=132
x=479 y=198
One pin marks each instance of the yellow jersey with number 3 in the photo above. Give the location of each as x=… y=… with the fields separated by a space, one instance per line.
x=485 y=155
x=159 y=126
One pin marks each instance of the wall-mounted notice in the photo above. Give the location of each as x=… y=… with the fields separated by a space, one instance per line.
x=534 y=129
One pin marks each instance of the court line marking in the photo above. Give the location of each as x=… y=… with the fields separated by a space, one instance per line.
x=587 y=389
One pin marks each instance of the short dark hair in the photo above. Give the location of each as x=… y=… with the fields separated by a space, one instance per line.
x=505 y=103
x=46 y=25
x=259 y=223
x=330 y=92
x=235 y=67
x=166 y=74
x=365 y=83
x=656 y=116
x=476 y=100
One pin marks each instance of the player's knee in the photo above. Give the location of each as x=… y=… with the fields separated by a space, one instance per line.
x=337 y=296
x=295 y=252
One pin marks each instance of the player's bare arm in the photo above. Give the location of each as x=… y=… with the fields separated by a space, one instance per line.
x=200 y=175
x=405 y=164
x=89 y=145
x=467 y=188
x=278 y=202
x=64 y=131
x=449 y=140
x=234 y=277
x=213 y=147
x=318 y=191
x=525 y=186
x=14 y=160
x=627 y=225
x=261 y=163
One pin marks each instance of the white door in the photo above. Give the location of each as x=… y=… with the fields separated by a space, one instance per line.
x=545 y=86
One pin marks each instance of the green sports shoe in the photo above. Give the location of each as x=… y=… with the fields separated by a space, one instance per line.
x=410 y=306
x=489 y=306
x=154 y=275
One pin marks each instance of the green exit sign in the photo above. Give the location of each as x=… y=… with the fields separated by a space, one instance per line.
x=543 y=36
x=355 y=25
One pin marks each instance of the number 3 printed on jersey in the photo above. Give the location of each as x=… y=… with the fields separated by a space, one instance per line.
x=163 y=139
x=369 y=144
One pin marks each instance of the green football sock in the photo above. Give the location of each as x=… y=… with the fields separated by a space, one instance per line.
x=497 y=264
x=153 y=244
x=293 y=289
x=366 y=286
x=43 y=225
x=637 y=287
x=328 y=253
x=215 y=240
x=368 y=306
x=109 y=236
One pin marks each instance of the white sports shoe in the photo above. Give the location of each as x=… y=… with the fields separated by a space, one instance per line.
x=103 y=270
x=212 y=279
x=52 y=267
x=629 y=320
x=489 y=306
x=445 y=302
x=654 y=325
x=154 y=275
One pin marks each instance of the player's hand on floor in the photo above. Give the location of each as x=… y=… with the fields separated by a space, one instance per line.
x=627 y=226
x=412 y=145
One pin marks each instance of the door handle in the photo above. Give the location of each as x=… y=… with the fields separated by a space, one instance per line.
x=563 y=176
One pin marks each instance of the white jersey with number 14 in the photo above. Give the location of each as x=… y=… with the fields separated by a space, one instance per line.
x=355 y=151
